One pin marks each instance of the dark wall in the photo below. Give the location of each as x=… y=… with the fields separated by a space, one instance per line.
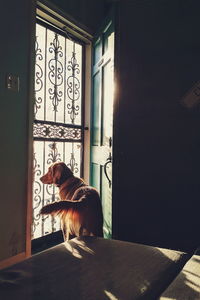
x=16 y=39
x=88 y=12
x=157 y=138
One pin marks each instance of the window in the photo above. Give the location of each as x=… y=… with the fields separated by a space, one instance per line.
x=58 y=129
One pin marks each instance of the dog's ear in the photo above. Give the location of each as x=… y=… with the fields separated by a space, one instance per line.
x=60 y=173
x=56 y=170
x=67 y=173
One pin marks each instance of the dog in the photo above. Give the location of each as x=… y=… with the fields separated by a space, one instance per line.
x=79 y=208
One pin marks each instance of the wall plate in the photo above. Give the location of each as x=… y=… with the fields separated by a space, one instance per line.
x=12 y=82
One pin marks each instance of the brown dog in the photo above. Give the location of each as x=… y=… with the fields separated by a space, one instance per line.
x=80 y=207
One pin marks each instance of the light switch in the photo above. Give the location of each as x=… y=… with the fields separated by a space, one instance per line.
x=12 y=82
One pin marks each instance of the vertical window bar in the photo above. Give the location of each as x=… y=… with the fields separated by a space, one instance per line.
x=73 y=76
x=43 y=168
x=82 y=109
x=45 y=77
x=63 y=151
x=65 y=81
x=56 y=76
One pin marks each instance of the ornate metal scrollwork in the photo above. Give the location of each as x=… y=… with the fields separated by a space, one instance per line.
x=53 y=155
x=37 y=188
x=73 y=84
x=73 y=165
x=55 y=72
x=57 y=96
x=46 y=131
x=38 y=76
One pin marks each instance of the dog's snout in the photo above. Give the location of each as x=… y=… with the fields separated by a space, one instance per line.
x=46 y=179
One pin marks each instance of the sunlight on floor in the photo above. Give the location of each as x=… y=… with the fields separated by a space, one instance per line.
x=168 y=253
x=110 y=295
x=193 y=286
x=167 y=298
x=73 y=251
x=192 y=278
x=145 y=286
x=76 y=247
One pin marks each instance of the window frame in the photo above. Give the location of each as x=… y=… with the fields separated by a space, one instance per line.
x=52 y=13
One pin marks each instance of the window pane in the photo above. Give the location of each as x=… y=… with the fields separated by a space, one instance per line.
x=40 y=73
x=96 y=110
x=73 y=82
x=45 y=153
x=107 y=102
x=58 y=127
x=58 y=78
x=97 y=50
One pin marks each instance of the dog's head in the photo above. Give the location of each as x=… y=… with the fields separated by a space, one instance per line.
x=57 y=174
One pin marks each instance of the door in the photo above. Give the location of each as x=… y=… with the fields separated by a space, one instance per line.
x=102 y=121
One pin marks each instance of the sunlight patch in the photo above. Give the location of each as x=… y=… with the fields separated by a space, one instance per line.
x=110 y=295
x=73 y=251
x=167 y=298
x=77 y=248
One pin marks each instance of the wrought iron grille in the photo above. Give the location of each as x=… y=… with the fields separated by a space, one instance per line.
x=58 y=124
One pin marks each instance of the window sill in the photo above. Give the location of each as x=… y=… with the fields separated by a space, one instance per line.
x=45 y=242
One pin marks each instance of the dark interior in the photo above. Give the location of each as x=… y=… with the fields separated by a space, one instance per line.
x=156 y=141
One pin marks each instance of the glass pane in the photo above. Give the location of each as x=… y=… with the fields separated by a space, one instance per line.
x=57 y=129
x=73 y=82
x=108 y=91
x=45 y=153
x=96 y=111
x=97 y=50
x=40 y=71
x=108 y=39
x=54 y=77
x=58 y=78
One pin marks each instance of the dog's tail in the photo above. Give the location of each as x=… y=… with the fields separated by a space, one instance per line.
x=59 y=207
